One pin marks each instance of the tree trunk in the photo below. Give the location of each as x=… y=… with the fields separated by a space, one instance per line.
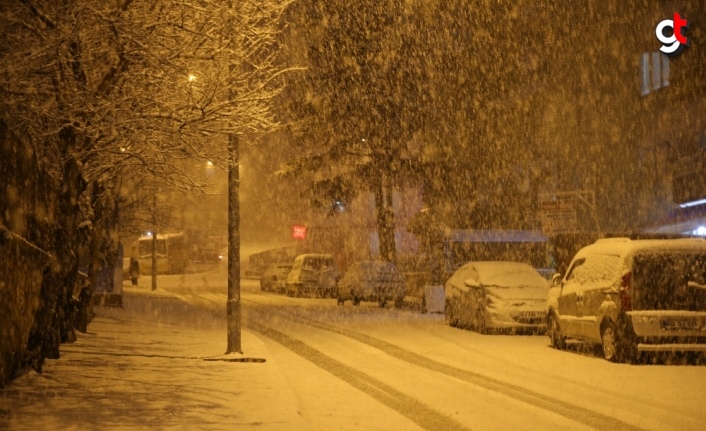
x=390 y=224
x=385 y=220
x=102 y=252
x=67 y=241
x=57 y=309
x=54 y=317
x=43 y=340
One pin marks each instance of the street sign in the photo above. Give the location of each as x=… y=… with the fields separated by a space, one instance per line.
x=299 y=231
x=558 y=214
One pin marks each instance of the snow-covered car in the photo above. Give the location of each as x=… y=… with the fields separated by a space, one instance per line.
x=313 y=274
x=274 y=277
x=497 y=296
x=375 y=281
x=633 y=296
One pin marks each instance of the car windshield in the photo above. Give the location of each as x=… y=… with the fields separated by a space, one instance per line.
x=508 y=275
x=317 y=263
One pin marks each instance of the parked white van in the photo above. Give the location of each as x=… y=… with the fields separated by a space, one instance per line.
x=314 y=275
x=633 y=296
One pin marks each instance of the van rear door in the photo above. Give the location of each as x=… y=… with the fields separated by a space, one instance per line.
x=669 y=294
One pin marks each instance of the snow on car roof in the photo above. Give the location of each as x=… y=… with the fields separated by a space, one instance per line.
x=374 y=264
x=624 y=246
x=304 y=256
x=506 y=273
x=162 y=236
x=495 y=235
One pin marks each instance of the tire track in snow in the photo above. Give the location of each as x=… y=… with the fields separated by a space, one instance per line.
x=570 y=411
x=407 y=406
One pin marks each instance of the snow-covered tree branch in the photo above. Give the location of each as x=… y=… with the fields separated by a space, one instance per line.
x=129 y=86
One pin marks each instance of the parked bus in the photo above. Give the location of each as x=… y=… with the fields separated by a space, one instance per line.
x=171 y=251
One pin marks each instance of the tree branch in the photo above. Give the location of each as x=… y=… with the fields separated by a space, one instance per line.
x=39 y=14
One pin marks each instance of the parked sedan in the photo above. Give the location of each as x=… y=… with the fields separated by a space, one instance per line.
x=497 y=296
x=274 y=277
x=375 y=281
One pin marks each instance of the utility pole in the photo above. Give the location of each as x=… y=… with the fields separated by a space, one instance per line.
x=233 y=306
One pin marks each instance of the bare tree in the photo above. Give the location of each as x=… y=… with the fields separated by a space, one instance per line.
x=357 y=105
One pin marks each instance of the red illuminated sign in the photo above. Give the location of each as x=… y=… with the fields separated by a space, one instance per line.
x=298 y=231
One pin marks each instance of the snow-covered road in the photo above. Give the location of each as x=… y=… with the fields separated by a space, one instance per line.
x=437 y=377
x=320 y=366
x=446 y=378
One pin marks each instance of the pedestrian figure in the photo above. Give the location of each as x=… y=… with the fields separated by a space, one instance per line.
x=134 y=270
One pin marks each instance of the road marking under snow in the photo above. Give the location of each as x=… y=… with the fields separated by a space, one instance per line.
x=420 y=413
x=407 y=406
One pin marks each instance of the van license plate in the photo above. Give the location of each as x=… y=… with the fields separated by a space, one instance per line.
x=676 y=324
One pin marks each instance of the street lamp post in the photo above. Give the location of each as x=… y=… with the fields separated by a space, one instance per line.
x=154 y=242
x=233 y=307
x=233 y=314
x=209 y=174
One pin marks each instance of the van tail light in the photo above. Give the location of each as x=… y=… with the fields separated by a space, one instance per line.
x=625 y=299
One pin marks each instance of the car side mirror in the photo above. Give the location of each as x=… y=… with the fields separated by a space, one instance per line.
x=556 y=280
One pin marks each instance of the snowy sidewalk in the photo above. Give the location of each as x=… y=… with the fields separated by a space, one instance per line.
x=141 y=367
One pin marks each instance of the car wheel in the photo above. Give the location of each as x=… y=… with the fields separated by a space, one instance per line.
x=609 y=342
x=553 y=330
x=449 y=315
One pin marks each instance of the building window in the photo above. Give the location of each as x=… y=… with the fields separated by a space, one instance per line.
x=665 y=70
x=654 y=71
